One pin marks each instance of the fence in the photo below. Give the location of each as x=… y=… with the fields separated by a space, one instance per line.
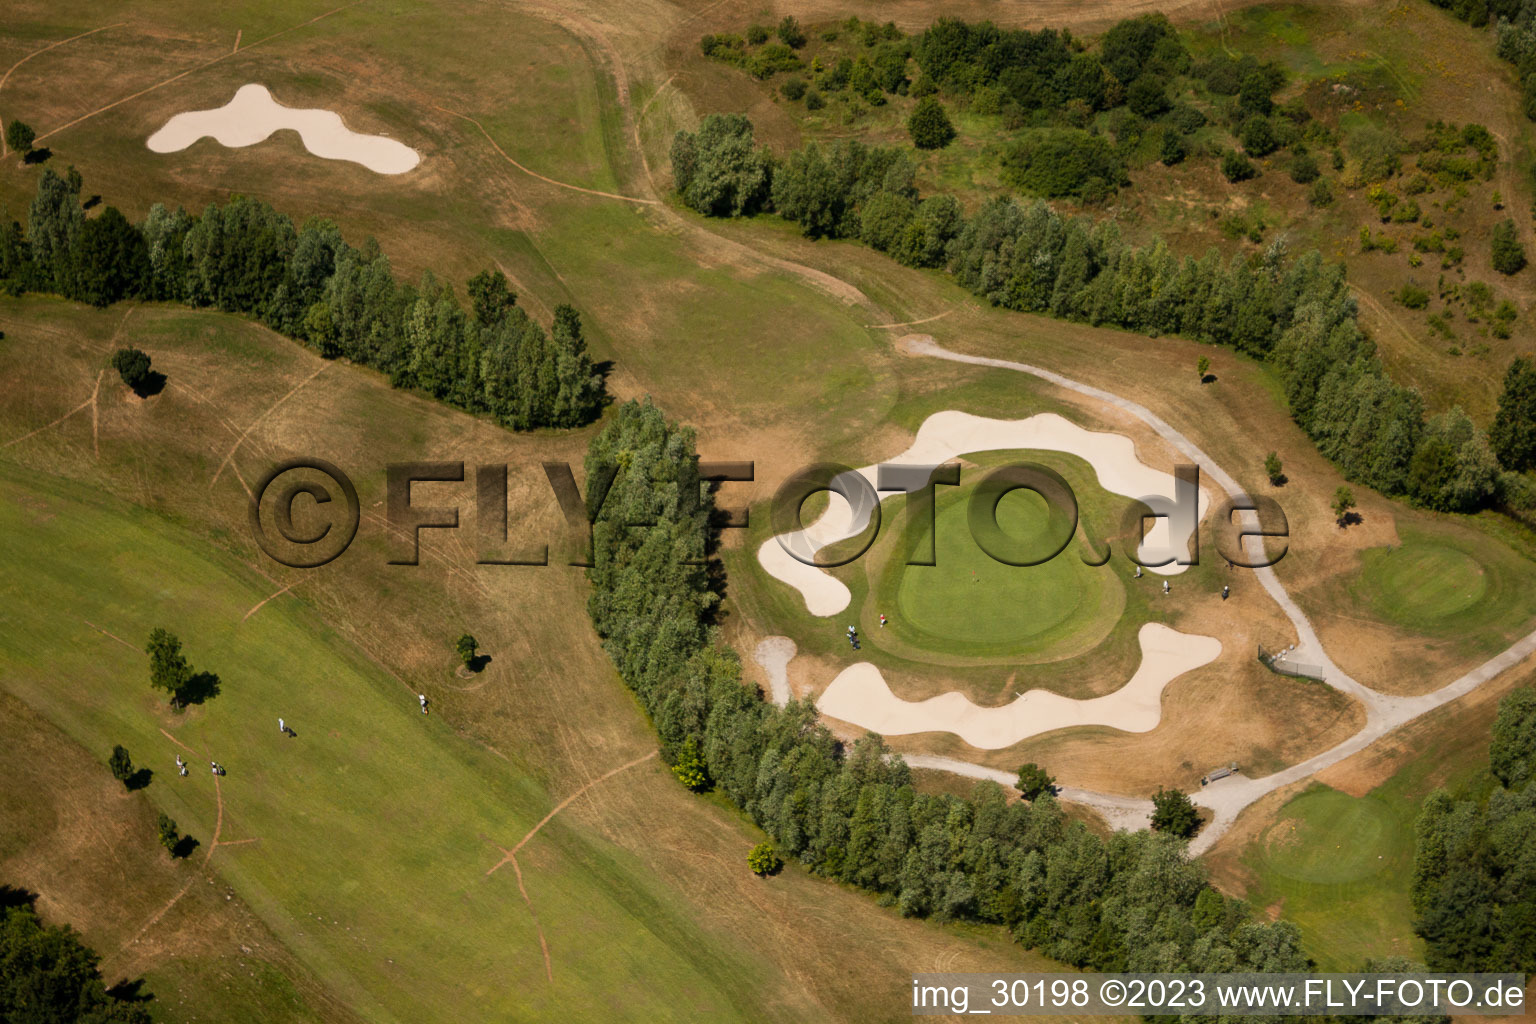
x=1280 y=662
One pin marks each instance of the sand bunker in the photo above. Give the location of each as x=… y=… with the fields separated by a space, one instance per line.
x=253 y=115
x=773 y=655
x=859 y=695
x=946 y=435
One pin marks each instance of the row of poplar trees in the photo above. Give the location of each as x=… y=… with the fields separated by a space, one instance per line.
x=1296 y=313
x=310 y=284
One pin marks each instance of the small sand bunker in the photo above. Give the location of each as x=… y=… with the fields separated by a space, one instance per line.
x=946 y=435
x=253 y=115
x=859 y=695
x=773 y=655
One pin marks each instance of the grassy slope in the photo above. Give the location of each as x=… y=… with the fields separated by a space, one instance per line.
x=374 y=826
x=635 y=881
x=751 y=390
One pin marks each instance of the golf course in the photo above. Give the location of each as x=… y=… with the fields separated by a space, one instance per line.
x=416 y=609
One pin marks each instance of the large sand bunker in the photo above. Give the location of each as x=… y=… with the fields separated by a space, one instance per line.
x=859 y=695
x=253 y=115
x=946 y=435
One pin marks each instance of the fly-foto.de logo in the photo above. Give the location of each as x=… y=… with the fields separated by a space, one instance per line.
x=305 y=512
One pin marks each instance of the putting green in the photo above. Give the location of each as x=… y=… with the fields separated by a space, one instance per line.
x=1330 y=838
x=971 y=603
x=1422 y=582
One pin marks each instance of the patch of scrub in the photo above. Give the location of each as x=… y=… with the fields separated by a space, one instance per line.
x=947 y=435
x=253 y=115
x=859 y=695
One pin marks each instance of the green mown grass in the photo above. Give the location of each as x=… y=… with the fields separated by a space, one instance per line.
x=374 y=827
x=1338 y=867
x=970 y=603
x=1444 y=581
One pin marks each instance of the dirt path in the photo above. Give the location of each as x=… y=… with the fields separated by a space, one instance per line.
x=4 y=149
x=89 y=403
x=536 y=174
x=611 y=61
x=257 y=421
x=1384 y=713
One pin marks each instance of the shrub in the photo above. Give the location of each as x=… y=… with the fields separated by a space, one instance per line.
x=764 y=860
x=757 y=35
x=1304 y=169
x=1258 y=136
x=1147 y=96
x=121 y=764
x=1412 y=296
x=1508 y=253
x=1187 y=119
x=790 y=33
x=1237 y=167
x=1063 y=162
x=1321 y=193
x=1174 y=813
x=814 y=100
x=1174 y=149
x=929 y=125
x=793 y=88
x=133 y=366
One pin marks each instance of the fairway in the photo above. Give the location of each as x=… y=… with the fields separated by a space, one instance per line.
x=371 y=797
x=1330 y=838
x=971 y=603
x=1337 y=866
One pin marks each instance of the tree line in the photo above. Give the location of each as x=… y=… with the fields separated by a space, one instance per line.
x=309 y=283
x=1134 y=901
x=48 y=976
x=1295 y=313
x=1474 y=869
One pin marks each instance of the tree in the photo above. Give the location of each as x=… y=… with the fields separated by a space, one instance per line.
x=50 y=976
x=1174 y=813
x=108 y=261
x=132 y=365
x=466 y=646
x=790 y=33
x=490 y=297
x=1034 y=781
x=1512 y=755
x=19 y=136
x=718 y=170
x=170 y=838
x=1513 y=434
x=929 y=125
x=168 y=667
x=121 y=764
x=689 y=768
x=1273 y=469
x=764 y=860
x=1257 y=135
x=1343 y=503
x=1147 y=96
x=1202 y=366
x=1508 y=253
